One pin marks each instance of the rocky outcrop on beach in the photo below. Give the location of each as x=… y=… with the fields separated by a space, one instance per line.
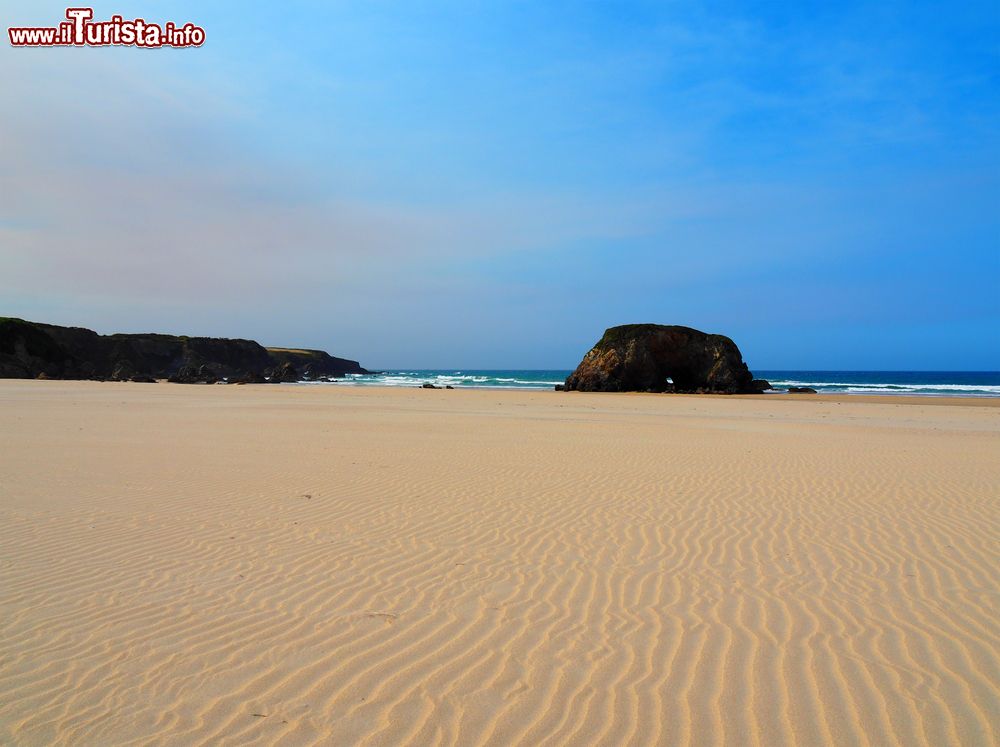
x=662 y=358
x=31 y=350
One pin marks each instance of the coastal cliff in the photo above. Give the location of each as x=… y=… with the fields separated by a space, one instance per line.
x=31 y=350
x=642 y=357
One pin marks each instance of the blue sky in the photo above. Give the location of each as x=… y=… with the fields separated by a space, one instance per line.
x=491 y=184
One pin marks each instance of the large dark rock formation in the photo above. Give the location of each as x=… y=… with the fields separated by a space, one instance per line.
x=642 y=357
x=29 y=349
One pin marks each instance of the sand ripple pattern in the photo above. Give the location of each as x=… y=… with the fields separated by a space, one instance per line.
x=291 y=566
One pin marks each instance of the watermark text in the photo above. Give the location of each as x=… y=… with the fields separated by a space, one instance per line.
x=81 y=30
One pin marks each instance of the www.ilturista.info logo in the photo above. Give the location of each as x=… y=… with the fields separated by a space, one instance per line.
x=80 y=30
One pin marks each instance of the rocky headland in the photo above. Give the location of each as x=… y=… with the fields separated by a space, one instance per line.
x=30 y=350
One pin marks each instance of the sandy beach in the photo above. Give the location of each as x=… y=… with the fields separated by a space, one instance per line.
x=292 y=565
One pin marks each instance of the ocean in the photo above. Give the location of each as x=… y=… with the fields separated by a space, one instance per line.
x=928 y=383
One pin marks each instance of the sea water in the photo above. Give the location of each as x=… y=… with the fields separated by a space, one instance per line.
x=936 y=383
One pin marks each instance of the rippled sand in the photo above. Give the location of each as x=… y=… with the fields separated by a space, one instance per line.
x=297 y=565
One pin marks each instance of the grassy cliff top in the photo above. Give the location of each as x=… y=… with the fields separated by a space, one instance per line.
x=297 y=351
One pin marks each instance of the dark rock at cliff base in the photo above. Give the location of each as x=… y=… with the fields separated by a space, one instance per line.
x=124 y=371
x=208 y=375
x=28 y=349
x=184 y=375
x=286 y=373
x=191 y=375
x=760 y=385
x=247 y=378
x=656 y=357
x=560 y=387
x=801 y=390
